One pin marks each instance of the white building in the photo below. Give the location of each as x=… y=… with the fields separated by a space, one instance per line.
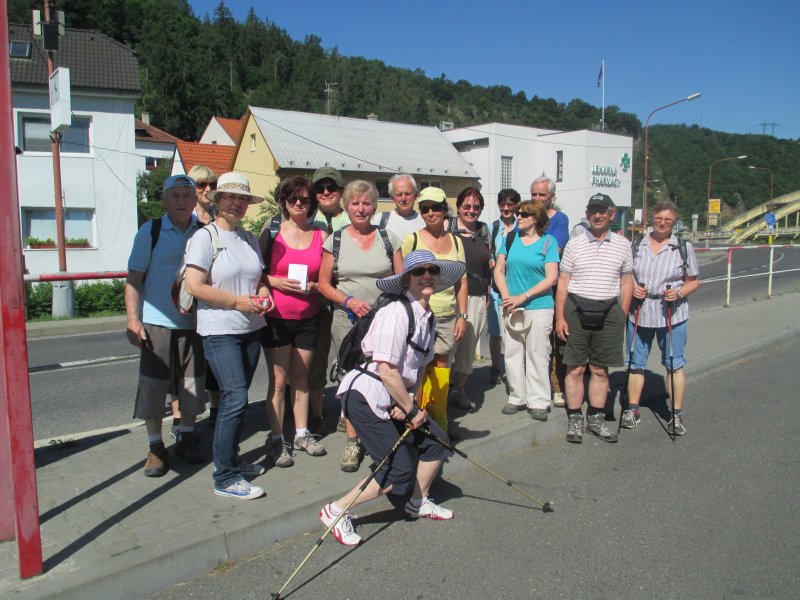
x=155 y=145
x=222 y=131
x=582 y=163
x=98 y=159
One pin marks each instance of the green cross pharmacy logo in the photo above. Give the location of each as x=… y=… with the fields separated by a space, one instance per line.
x=625 y=162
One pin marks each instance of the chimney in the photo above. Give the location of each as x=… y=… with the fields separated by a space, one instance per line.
x=445 y=125
x=372 y=117
x=146 y=118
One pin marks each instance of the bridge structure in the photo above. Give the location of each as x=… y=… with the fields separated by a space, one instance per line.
x=751 y=224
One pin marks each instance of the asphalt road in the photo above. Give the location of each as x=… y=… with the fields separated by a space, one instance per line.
x=711 y=515
x=93 y=396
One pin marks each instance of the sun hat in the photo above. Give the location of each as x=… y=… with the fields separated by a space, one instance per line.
x=452 y=271
x=431 y=194
x=327 y=173
x=177 y=181
x=515 y=321
x=233 y=183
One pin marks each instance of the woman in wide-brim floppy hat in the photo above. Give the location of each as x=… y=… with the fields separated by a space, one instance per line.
x=233 y=183
x=379 y=397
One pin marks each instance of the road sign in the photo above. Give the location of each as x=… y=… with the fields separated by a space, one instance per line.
x=714 y=205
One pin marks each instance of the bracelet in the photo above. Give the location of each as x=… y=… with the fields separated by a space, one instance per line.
x=527 y=297
x=346 y=300
x=462 y=316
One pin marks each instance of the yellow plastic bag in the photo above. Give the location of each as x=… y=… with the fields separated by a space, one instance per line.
x=434 y=394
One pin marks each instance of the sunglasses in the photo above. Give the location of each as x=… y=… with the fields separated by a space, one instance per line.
x=471 y=207
x=420 y=271
x=304 y=200
x=522 y=214
x=201 y=185
x=424 y=210
x=331 y=188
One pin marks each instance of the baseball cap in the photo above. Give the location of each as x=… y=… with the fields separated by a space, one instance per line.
x=601 y=200
x=431 y=194
x=177 y=181
x=327 y=173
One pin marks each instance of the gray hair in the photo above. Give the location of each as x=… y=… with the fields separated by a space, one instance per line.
x=400 y=177
x=663 y=205
x=358 y=188
x=551 y=185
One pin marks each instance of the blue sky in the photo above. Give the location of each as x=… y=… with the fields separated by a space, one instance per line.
x=743 y=56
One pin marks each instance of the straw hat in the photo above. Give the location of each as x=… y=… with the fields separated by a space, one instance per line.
x=233 y=183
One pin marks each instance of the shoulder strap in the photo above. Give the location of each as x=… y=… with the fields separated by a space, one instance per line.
x=637 y=241
x=155 y=233
x=216 y=243
x=387 y=245
x=337 y=247
x=452 y=223
x=483 y=228
x=414 y=245
x=411 y=324
x=684 y=252
x=275 y=225
x=455 y=241
x=495 y=230
x=384 y=219
x=546 y=245
x=510 y=240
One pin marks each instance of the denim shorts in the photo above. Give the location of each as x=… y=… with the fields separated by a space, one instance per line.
x=644 y=340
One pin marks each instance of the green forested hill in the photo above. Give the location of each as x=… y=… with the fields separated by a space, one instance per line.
x=194 y=68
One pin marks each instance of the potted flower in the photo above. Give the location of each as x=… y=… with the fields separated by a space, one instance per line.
x=78 y=243
x=36 y=243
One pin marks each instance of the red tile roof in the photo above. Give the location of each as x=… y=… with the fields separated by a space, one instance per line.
x=217 y=158
x=231 y=126
x=149 y=133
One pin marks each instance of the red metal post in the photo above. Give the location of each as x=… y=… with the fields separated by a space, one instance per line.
x=15 y=393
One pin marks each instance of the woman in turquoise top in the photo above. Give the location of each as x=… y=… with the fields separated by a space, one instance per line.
x=525 y=274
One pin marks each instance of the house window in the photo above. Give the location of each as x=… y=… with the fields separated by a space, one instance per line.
x=252 y=142
x=383 y=188
x=41 y=223
x=559 y=165
x=18 y=49
x=150 y=163
x=424 y=184
x=36 y=135
x=506 y=174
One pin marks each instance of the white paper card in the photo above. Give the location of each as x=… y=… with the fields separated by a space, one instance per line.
x=300 y=273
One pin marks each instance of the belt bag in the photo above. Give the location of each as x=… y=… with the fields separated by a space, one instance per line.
x=592 y=313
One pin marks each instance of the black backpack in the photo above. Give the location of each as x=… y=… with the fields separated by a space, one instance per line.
x=681 y=248
x=351 y=356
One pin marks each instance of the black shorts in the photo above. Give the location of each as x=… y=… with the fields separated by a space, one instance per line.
x=300 y=333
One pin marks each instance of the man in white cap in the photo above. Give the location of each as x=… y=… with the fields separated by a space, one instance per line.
x=171 y=350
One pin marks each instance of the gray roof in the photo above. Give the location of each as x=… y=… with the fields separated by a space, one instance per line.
x=94 y=60
x=306 y=140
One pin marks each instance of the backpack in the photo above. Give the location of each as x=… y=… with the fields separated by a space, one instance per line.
x=481 y=228
x=337 y=247
x=385 y=219
x=351 y=356
x=681 y=248
x=155 y=233
x=181 y=298
x=510 y=240
x=270 y=231
x=455 y=242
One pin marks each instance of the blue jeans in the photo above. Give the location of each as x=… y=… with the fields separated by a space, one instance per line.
x=233 y=360
x=644 y=341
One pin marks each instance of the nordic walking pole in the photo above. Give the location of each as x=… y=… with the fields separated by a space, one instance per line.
x=546 y=506
x=624 y=392
x=671 y=366
x=400 y=440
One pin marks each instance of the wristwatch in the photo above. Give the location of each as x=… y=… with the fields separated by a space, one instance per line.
x=463 y=316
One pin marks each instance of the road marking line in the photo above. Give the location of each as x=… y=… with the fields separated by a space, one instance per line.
x=81 y=363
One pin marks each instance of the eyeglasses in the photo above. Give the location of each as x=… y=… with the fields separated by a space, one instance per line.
x=523 y=214
x=331 y=188
x=471 y=207
x=304 y=200
x=597 y=210
x=424 y=210
x=420 y=271
x=201 y=185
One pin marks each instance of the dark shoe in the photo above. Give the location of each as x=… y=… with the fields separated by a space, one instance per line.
x=538 y=414
x=575 y=428
x=452 y=433
x=494 y=375
x=512 y=409
x=188 y=449
x=156 y=465
x=316 y=425
x=459 y=398
x=596 y=424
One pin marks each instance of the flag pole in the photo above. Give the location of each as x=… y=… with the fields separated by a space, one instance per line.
x=603 y=113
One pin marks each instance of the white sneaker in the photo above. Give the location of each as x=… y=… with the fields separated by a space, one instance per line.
x=428 y=510
x=558 y=399
x=241 y=489
x=343 y=532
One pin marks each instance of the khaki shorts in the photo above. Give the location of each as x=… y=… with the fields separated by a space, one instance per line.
x=476 y=324
x=445 y=341
x=601 y=347
x=171 y=360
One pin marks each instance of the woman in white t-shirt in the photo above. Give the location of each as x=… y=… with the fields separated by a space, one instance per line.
x=353 y=259
x=225 y=273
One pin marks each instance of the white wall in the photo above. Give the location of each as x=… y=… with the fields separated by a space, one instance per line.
x=103 y=180
x=215 y=134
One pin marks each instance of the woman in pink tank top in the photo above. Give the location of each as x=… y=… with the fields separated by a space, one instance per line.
x=291 y=333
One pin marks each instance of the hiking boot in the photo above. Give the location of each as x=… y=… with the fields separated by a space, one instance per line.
x=340 y=425
x=679 y=428
x=575 y=428
x=558 y=399
x=280 y=454
x=352 y=457
x=630 y=419
x=248 y=470
x=309 y=445
x=512 y=409
x=428 y=510
x=596 y=424
x=459 y=397
x=538 y=414
x=343 y=532
x=188 y=449
x=156 y=464
x=494 y=375
x=316 y=425
x=241 y=489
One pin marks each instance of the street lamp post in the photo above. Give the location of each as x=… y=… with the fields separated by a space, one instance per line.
x=770 y=178
x=694 y=96
x=719 y=160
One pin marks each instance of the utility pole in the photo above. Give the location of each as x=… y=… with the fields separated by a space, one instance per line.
x=771 y=124
x=328 y=91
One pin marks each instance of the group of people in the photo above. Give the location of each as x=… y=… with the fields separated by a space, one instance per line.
x=555 y=303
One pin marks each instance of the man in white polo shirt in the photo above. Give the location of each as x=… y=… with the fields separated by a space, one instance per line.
x=595 y=287
x=403 y=219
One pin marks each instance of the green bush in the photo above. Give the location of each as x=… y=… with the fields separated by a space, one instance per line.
x=104 y=296
x=39 y=300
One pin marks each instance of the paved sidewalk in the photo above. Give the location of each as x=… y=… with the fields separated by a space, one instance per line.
x=109 y=532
